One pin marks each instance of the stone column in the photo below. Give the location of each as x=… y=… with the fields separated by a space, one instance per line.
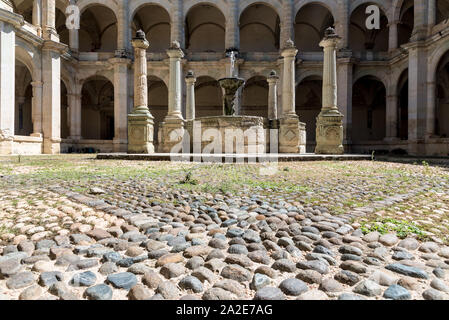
x=172 y=129
x=74 y=106
x=123 y=29
x=292 y=135
x=288 y=84
x=272 y=80
x=7 y=81
x=287 y=21
x=48 y=20
x=432 y=7
x=232 y=26
x=121 y=109
x=342 y=23
x=190 y=96
x=344 y=96
x=51 y=95
x=391 y=114
x=329 y=129
x=420 y=28
x=36 y=108
x=37 y=16
x=393 y=36
x=417 y=96
x=140 y=121
x=431 y=110
x=177 y=25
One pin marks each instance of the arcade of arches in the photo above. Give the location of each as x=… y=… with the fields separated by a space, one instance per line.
x=73 y=89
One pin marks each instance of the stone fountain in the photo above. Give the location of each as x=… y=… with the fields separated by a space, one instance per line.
x=229 y=133
x=231 y=85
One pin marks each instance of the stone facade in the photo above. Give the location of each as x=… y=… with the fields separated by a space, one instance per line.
x=72 y=90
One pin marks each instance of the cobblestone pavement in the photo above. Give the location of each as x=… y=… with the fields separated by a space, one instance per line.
x=72 y=227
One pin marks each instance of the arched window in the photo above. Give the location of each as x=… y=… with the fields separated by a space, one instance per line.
x=155 y=22
x=98 y=30
x=310 y=23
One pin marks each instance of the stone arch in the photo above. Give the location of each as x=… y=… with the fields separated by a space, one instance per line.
x=368 y=109
x=303 y=74
x=360 y=38
x=260 y=28
x=155 y=21
x=157 y=101
x=275 y=5
x=384 y=7
x=24 y=8
x=98 y=28
x=97 y=108
x=331 y=6
x=308 y=105
x=136 y=5
x=255 y=97
x=85 y=4
x=379 y=75
x=220 y=5
x=208 y=97
x=205 y=28
x=61 y=29
x=311 y=20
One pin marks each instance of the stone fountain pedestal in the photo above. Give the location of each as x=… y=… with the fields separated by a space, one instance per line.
x=223 y=132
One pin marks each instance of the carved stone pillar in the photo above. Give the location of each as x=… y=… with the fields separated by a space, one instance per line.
x=272 y=95
x=190 y=93
x=172 y=129
x=329 y=129
x=36 y=108
x=292 y=134
x=140 y=121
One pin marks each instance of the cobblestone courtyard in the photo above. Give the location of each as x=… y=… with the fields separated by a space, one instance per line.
x=72 y=227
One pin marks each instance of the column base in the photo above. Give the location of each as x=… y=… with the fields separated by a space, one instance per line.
x=171 y=133
x=329 y=132
x=52 y=146
x=140 y=133
x=6 y=147
x=292 y=135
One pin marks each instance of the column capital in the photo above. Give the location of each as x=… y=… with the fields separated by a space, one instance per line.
x=190 y=78
x=175 y=50
x=289 y=49
x=273 y=77
x=140 y=41
x=37 y=84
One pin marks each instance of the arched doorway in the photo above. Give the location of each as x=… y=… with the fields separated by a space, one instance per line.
x=97 y=109
x=406 y=22
x=310 y=23
x=98 y=30
x=205 y=29
x=368 y=109
x=442 y=96
x=155 y=22
x=24 y=8
x=23 y=124
x=361 y=38
x=208 y=97
x=255 y=97
x=259 y=29
x=157 y=102
x=403 y=106
x=308 y=106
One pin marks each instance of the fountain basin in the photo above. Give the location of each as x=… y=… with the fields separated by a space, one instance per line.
x=229 y=134
x=230 y=85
